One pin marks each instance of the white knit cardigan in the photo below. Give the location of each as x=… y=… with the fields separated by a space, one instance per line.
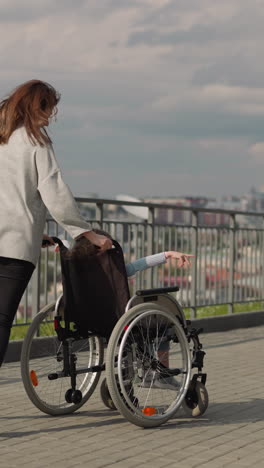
x=30 y=183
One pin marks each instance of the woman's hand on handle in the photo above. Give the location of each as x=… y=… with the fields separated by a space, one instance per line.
x=47 y=240
x=102 y=242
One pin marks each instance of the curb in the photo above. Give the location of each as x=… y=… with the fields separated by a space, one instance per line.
x=219 y=323
x=223 y=323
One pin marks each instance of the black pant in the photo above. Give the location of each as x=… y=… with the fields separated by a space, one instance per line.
x=14 y=277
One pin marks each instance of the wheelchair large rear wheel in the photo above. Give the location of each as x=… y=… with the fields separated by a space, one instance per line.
x=148 y=365
x=42 y=355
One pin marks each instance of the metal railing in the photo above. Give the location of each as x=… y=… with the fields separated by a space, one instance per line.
x=228 y=249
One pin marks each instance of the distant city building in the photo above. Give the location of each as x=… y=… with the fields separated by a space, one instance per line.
x=253 y=201
x=174 y=216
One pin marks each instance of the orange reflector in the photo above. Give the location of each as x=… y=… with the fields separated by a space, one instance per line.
x=33 y=378
x=149 y=411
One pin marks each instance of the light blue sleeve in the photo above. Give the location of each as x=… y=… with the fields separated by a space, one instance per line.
x=144 y=263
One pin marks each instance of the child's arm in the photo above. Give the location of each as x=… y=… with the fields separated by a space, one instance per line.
x=157 y=259
x=144 y=263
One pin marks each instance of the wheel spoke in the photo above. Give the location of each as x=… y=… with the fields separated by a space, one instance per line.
x=49 y=395
x=141 y=388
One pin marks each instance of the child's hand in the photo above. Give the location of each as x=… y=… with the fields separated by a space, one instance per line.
x=182 y=258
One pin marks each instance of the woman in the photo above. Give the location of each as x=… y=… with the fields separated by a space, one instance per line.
x=30 y=183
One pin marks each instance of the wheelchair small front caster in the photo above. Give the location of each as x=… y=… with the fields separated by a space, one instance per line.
x=196 y=400
x=73 y=396
x=105 y=396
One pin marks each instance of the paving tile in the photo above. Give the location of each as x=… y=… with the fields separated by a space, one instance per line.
x=230 y=434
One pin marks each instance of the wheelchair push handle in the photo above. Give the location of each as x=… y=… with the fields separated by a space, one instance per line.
x=57 y=240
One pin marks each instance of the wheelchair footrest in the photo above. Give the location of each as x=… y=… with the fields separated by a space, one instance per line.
x=91 y=369
x=166 y=372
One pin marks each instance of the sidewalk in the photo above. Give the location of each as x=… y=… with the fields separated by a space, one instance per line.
x=230 y=434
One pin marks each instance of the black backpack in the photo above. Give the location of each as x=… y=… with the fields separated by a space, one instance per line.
x=95 y=289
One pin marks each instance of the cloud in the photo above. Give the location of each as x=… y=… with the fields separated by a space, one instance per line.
x=233 y=69
x=12 y=12
x=145 y=84
x=256 y=152
x=198 y=24
x=226 y=96
x=197 y=35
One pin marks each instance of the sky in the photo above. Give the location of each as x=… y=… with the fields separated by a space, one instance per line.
x=158 y=97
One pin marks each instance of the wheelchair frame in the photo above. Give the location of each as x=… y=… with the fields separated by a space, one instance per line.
x=127 y=365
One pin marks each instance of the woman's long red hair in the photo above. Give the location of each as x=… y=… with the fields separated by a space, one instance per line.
x=27 y=106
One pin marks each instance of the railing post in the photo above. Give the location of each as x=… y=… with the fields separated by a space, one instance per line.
x=150 y=243
x=99 y=213
x=35 y=282
x=232 y=226
x=194 y=263
x=262 y=258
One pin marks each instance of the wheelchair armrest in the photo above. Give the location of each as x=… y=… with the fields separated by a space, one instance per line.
x=155 y=291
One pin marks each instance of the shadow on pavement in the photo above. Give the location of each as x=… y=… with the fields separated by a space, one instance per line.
x=224 y=413
x=217 y=414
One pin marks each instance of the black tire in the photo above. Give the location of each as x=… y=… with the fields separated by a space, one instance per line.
x=196 y=401
x=105 y=396
x=139 y=331
x=42 y=354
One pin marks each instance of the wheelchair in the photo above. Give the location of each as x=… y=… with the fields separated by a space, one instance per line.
x=151 y=345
